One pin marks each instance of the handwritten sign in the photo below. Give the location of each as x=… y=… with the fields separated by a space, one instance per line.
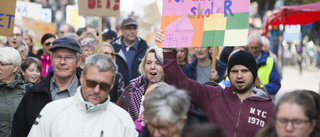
x=27 y=9
x=73 y=17
x=39 y=27
x=204 y=23
x=7 y=15
x=99 y=8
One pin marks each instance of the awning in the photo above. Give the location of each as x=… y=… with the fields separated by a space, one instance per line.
x=293 y=15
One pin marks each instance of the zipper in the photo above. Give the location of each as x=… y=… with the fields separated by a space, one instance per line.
x=235 y=134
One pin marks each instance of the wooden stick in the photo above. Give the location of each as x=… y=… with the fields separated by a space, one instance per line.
x=100 y=29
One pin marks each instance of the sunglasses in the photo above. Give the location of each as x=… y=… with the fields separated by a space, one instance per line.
x=48 y=43
x=92 y=84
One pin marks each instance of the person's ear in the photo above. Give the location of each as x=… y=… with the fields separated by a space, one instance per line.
x=82 y=78
x=15 y=69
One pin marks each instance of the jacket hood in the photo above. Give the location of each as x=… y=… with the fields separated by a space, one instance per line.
x=261 y=94
x=88 y=106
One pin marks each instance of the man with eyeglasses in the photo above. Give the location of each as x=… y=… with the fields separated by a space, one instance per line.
x=129 y=50
x=89 y=110
x=62 y=82
x=267 y=69
x=65 y=29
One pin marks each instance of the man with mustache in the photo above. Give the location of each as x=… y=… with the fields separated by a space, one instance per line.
x=62 y=82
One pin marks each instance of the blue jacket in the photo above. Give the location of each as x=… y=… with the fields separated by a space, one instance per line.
x=274 y=80
x=191 y=69
x=122 y=63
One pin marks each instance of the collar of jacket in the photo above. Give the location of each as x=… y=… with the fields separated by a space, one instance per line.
x=88 y=106
x=44 y=85
x=16 y=83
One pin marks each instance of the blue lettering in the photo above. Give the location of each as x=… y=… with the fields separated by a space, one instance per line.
x=227 y=5
x=10 y=16
x=177 y=0
x=1 y=19
x=193 y=11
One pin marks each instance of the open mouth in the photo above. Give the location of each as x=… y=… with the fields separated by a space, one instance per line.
x=153 y=73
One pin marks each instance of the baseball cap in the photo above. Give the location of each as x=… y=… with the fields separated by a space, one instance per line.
x=129 y=21
x=66 y=42
x=109 y=34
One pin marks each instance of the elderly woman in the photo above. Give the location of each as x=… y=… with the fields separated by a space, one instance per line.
x=165 y=112
x=297 y=114
x=151 y=72
x=116 y=91
x=12 y=88
x=87 y=44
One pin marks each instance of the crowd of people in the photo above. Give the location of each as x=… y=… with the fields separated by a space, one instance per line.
x=76 y=85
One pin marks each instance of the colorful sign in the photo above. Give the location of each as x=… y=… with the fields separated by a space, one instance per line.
x=73 y=17
x=7 y=16
x=99 y=8
x=39 y=27
x=204 y=23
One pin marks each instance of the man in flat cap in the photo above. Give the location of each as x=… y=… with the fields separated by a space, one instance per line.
x=129 y=50
x=62 y=82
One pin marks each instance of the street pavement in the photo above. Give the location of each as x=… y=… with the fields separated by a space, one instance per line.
x=292 y=80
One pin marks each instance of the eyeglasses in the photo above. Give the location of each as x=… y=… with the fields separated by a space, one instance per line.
x=17 y=35
x=67 y=59
x=109 y=54
x=254 y=48
x=295 y=123
x=92 y=84
x=5 y=64
x=48 y=43
x=130 y=28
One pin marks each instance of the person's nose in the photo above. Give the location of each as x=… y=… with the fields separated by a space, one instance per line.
x=289 y=126
x=156 y=133
x=96 y=89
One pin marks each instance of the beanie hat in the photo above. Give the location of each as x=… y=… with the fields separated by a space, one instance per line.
x=244 y=58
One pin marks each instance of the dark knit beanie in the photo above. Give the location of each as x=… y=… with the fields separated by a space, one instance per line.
x=244 y=58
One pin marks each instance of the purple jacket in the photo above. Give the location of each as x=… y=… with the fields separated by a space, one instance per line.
x=130 y=99
x=236 y=118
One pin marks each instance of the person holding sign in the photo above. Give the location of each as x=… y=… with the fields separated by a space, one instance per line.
x=201 y=70
x=240 y=110
x=129 y=50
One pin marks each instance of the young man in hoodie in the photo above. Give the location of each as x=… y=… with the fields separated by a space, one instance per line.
x=239 y=110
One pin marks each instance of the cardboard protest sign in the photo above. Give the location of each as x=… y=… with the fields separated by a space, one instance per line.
x=27 y=9
x=204 y=23
x=73 y=17
x=99 y=8
x=152 y=14
x=39 y=27
x=7 y=15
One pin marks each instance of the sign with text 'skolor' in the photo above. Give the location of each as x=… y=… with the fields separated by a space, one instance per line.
x=7 y=14
x=99 y=8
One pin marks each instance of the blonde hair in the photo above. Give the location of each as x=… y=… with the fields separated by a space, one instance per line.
x=31 y=36
x=154 y=86
x=98 y=47
x=158 y=55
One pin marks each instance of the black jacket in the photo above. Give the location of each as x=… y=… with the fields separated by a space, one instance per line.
x=30 y=106
x=122 y=63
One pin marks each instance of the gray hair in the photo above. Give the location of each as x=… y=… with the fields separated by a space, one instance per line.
x=102 y=62
x=254 y=36
x=166 y=104
x=10 y=55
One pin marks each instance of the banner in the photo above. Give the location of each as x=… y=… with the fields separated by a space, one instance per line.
x=7 y=16
x=39 y=27
x=99 y=8
x=204 y=23
x=73 y=17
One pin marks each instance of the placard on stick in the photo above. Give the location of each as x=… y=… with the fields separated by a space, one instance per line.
x=99 y=8
x=204 y=23
x=7 y=14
